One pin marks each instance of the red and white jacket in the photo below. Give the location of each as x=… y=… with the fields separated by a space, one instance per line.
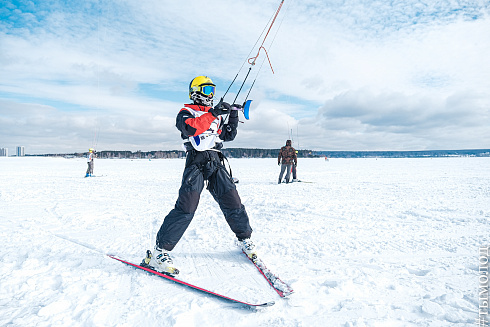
x=202 y=130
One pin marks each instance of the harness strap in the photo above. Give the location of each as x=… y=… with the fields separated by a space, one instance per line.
x=192 y=153
x=223 y=158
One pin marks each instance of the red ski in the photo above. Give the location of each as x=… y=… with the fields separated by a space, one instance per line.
x=277 y=284
x=181 y=282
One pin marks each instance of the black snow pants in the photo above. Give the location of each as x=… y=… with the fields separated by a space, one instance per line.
x=200 y=166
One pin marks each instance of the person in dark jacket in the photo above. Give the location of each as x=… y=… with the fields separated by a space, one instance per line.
x=203 y=129
x=287 y=157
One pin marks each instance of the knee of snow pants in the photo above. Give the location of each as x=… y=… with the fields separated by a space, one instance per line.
x=177 y=221
x=223 y=189
x=224 y=192
x=190 y=190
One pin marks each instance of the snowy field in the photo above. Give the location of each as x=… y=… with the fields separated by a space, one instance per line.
x=386 y=242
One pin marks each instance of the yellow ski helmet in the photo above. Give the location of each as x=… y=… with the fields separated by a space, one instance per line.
x=203 y=85
x=201 y=91
x=90 y=150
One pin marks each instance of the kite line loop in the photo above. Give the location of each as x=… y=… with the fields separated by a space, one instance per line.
x=252 y=60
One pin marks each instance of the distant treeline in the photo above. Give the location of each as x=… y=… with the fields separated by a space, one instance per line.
x=230 y=153
x=405 y=154
x=273 y=153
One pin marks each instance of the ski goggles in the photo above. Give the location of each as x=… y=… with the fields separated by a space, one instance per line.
x=207 y=90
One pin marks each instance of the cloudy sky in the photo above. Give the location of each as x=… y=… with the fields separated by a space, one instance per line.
x=348 y=74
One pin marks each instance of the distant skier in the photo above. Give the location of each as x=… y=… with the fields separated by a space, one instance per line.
x=90 y=163
x=287 y=155
x=203 y=129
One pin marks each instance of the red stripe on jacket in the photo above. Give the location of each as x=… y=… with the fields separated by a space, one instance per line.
x=201 y=123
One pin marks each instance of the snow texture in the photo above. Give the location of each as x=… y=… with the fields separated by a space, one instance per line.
x=370 y=242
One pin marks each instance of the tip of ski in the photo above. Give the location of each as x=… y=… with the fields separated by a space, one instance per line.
x=179 y=281
x=283 y=289
x=267 y=304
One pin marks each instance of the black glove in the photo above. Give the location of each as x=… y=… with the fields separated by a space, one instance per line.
x=222 y=108
x=235 y=108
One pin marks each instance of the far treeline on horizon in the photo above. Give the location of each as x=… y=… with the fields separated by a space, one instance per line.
x=273 y=153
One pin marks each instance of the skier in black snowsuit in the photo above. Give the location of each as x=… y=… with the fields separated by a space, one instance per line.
x=203 y=129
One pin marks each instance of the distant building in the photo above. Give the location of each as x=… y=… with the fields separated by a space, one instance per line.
x=4 y=152
x=20 y=151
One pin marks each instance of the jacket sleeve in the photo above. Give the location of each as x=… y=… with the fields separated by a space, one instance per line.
x=229 y=130
x=188 y=125
x=279 y=156
x=295 y=157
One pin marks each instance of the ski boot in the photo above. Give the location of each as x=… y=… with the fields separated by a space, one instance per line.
x=248 y=247
x=160 y=261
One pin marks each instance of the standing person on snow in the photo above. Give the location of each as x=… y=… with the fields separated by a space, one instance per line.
x=203 y=129
x=90 y=162
x=287 y=155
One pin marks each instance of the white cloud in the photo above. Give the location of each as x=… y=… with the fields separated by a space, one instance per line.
x=406 y=122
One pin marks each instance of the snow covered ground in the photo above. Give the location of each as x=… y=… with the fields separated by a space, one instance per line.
x=386 y=242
